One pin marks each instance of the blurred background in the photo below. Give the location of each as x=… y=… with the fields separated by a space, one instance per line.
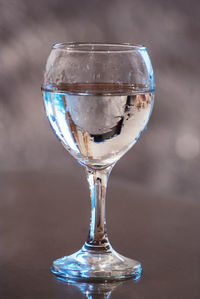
x=167 y=157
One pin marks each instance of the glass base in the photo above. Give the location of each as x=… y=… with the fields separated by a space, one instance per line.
x=96 y=265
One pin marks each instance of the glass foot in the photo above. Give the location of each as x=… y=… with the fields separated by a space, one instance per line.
x=95 y=265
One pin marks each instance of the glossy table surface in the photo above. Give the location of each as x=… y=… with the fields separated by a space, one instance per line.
x=46 y=216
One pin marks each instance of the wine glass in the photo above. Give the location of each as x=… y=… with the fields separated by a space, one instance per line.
x=98 y=99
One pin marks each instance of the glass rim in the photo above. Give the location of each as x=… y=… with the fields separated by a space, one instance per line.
x=98 y=47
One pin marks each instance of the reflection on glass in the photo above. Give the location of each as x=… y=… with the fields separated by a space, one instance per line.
x=95 y=290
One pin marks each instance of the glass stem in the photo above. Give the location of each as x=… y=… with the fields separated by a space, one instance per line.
x=97 y=237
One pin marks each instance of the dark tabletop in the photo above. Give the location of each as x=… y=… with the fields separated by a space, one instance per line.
x=46 y=216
